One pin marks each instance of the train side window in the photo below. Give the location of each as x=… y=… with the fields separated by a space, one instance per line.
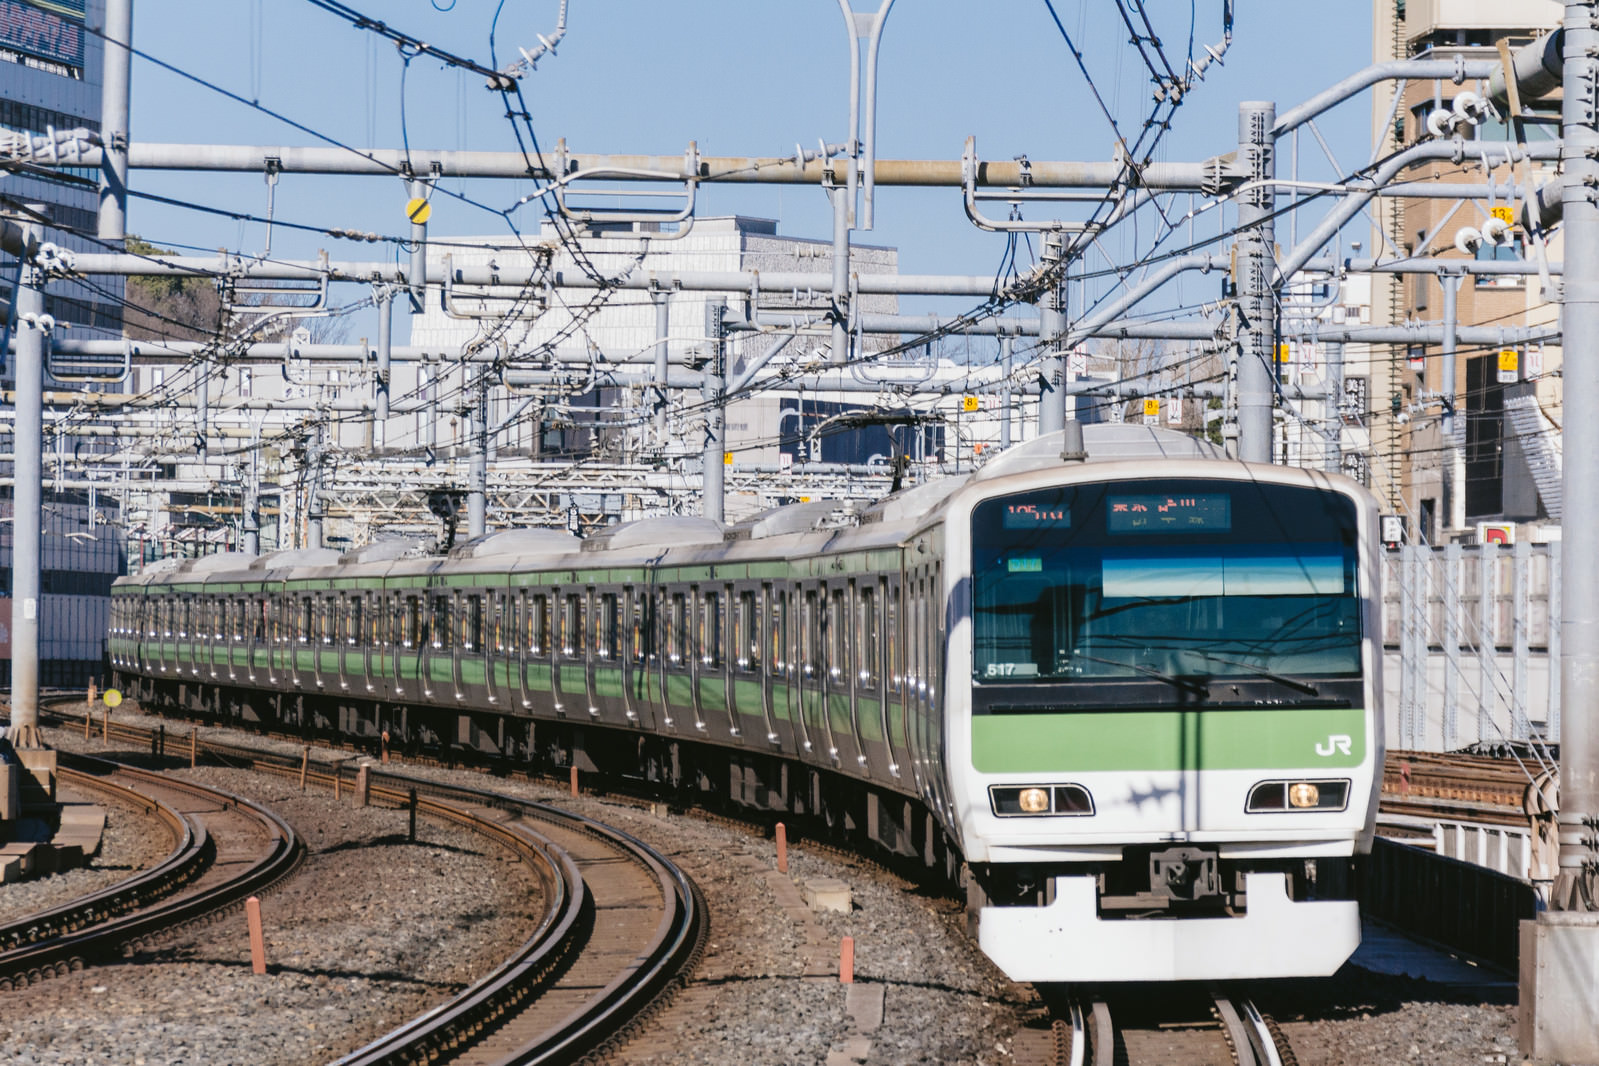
x=838 y=632
x=538 y=626
x=353 y=632
x=711 y=631
x=439 y=625
x=572 y=635
x=746 y=630
x=472 y=623
x=677 y=629
x=411 y=622
x=867 y=635
x=499 y=621
x=810 y=633
x=891 y=665
x=637 y=640
x=303 y=630
x=608 y=626
x=777 y=628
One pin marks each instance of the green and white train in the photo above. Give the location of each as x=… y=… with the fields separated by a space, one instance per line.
x=1136 y=695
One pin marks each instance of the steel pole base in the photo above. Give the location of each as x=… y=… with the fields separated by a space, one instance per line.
x=1560 y=989
x=25 y=737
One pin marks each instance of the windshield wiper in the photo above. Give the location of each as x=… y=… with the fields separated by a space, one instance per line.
x=1196 y=687
x=1266 y=675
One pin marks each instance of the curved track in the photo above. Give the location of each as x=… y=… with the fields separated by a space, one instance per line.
x=227 y=849
x=622 y=924
x=1232 y=1029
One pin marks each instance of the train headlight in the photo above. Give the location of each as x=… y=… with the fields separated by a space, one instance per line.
x=1275 y=797
x=1012 y=801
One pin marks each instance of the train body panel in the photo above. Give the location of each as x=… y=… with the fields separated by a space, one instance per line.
x=1139 y=695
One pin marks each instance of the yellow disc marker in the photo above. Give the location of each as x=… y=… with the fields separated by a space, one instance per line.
x=112 y=697
x=418 y=210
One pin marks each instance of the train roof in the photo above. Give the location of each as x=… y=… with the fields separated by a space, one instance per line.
x=791 y=531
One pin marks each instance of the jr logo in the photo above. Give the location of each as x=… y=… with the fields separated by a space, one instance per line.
x=1337 y=742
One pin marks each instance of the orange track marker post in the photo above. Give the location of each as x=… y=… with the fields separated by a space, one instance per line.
x=305 y=764
x=846 y=961
x=574 y=780
x=252 y=913
x=782 y=848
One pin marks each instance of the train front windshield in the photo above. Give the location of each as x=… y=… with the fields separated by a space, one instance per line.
x=1167 y=583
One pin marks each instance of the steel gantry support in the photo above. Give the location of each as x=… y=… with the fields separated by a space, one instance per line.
x=1560 y=949
x=1257 y=305
x=115 y=97
x=1053 y=410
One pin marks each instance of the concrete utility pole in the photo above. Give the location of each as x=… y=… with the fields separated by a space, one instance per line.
x=1560 y=949
x=1257 y=310
x=27 y=494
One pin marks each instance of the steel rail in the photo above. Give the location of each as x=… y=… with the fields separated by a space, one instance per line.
x=537 y=963
x=181 y=865
x=64 y=953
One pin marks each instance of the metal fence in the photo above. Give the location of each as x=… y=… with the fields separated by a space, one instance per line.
x=1469 y=636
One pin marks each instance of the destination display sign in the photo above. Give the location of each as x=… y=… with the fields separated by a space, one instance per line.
x=1211 y=512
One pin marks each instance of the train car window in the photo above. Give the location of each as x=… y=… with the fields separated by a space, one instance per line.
x=472 y=624
x=867 y=634
x=891 y=663
x=777 y=628
x=635 y=624
x=330 y=619
x=711 y=631
x=439 y=625
x=258 y=609
x=538 y=625
x=810 y=633
x=677 y=629
x=746 y=630
x=183 y=618
x=499 y=621
x=411 y=623
x=608 y=626
x=353 y=630
x=838 y=633
x=240 y=613
x=572 y=635
x=303 y=630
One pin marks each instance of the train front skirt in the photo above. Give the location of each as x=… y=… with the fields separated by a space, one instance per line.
x=1066 y=940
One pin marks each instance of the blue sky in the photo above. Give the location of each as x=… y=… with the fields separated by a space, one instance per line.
x=751 y=77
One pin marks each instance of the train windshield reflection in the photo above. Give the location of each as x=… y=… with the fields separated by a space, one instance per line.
x=1254 y=580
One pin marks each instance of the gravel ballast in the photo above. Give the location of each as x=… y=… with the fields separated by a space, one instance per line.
x=766 y=992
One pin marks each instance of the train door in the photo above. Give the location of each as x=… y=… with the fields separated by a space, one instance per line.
x=517 y=653
x=542 y=650
x=813 y=671
x=893 y=675
x=762 y=651
x=842 y=725
x=634 y=657
x=571 y=672
x=471 y=674
x=438 y=662
x=496 y=675
x=870 y=690
x=710 y=690
x=607 y=666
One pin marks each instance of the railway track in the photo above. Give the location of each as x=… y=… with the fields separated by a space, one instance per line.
x=1467 y=788
x=225 y=850
x=622 y=923
x=1171 y=1030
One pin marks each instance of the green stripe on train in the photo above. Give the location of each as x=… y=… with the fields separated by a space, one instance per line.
x=1255 y=739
